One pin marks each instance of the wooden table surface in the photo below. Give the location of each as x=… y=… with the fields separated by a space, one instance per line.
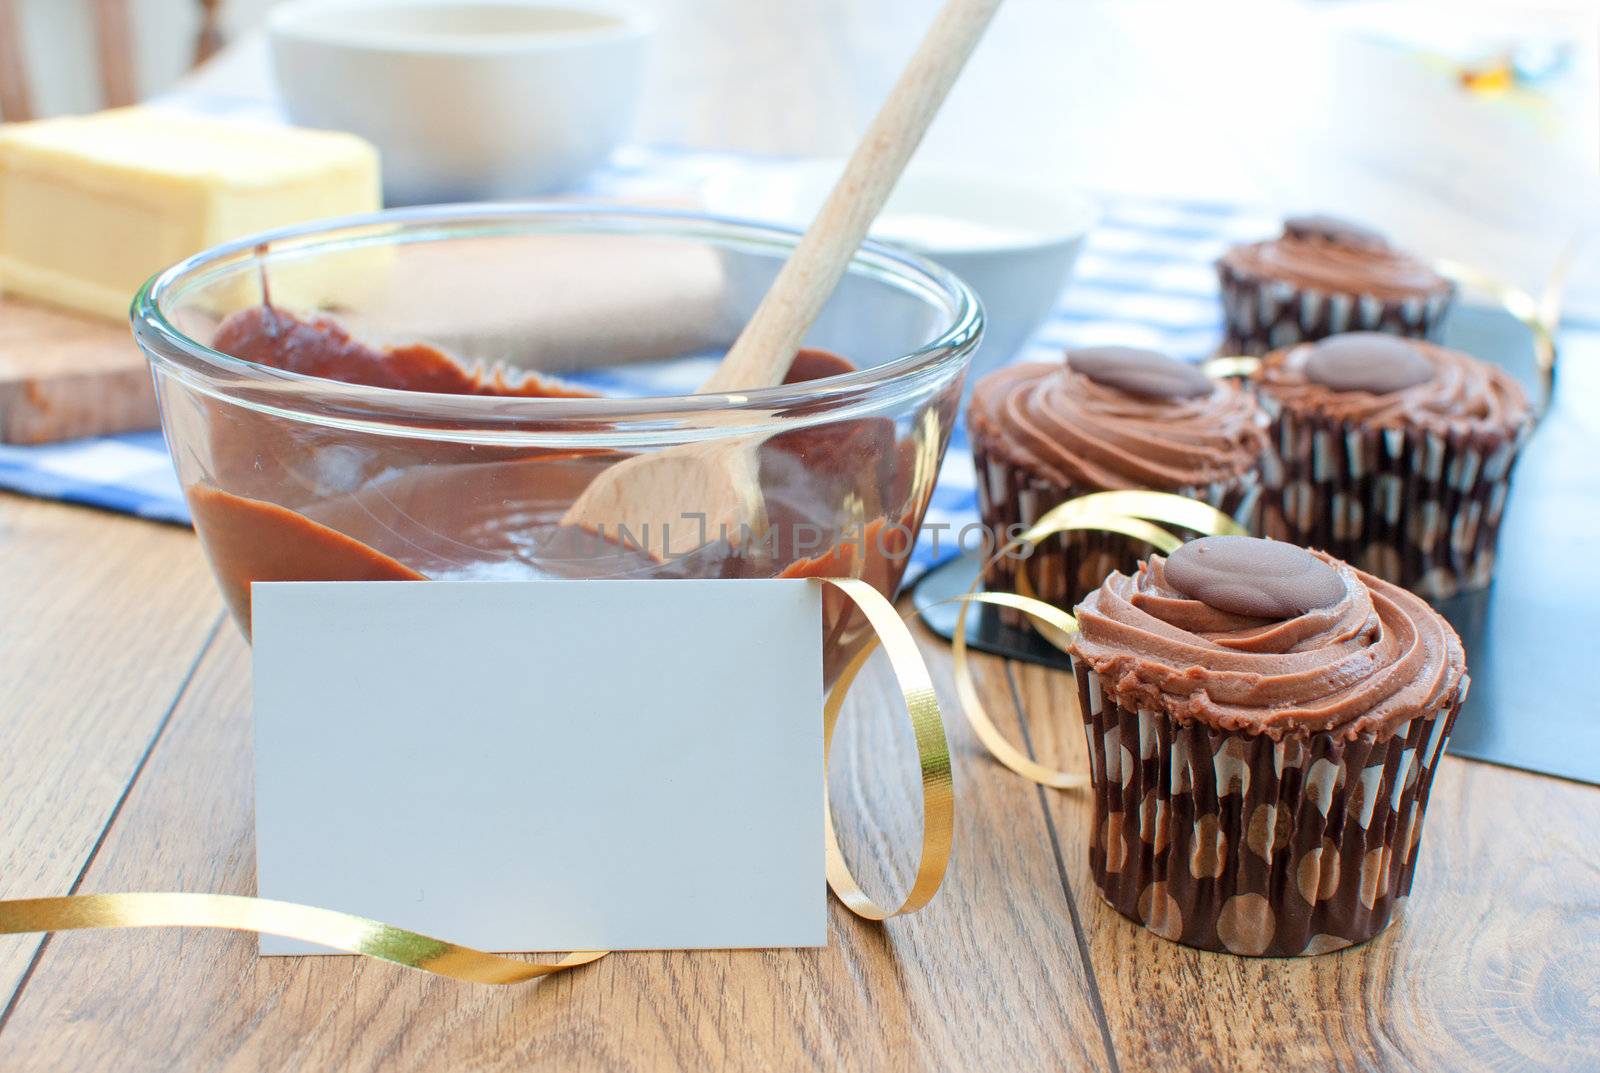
x=125 y=765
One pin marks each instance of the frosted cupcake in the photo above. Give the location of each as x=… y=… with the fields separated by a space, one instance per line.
x=1107 y=418
x=1264 y=724
x=1392 y=454
x=1324 y=276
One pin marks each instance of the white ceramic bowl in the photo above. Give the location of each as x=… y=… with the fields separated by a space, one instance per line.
x=465 y=100
x=1012 y=241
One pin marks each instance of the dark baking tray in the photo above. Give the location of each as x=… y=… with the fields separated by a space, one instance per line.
x=1533 y=637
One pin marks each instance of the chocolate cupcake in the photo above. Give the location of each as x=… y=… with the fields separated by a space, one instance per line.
x=1107 y=418
x=1324 y=276
x=1392 y=454
x=1264 y=723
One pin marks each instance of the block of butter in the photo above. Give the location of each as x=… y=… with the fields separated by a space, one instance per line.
x=91 y=206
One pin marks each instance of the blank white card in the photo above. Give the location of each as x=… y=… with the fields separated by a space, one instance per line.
x=554 y=765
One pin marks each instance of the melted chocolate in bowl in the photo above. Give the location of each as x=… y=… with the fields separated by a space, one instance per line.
x=468 y=511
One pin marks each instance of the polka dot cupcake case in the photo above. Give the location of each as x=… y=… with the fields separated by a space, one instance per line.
x=1417 y=508
x=1246 y=845
x=1324 y=276
x=1263 y=315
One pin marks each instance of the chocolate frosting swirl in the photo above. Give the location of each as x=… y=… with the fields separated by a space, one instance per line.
x=1464 y=397
x=1339 y=262
x=1364 y=664
x=1082 y=433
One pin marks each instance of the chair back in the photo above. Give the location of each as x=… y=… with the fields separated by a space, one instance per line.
x=113 y=48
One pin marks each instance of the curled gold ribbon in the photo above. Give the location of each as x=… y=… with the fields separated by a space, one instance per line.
x=359 y=935
x=1131 y=513
x=325 y=927
x=1220 y=368
x=933 y=755
x=978 y=716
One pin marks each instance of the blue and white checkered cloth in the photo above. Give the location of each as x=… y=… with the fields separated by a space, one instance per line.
x=1144 y=279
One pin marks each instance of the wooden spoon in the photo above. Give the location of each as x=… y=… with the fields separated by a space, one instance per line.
x=714 y=484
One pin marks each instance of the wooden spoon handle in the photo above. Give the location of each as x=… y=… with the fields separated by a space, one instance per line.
x=762 y=353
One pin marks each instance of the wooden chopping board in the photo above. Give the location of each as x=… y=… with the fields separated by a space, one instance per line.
x=64 y=375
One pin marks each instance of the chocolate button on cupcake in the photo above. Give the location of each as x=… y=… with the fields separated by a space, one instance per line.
x=1263 y=725
x=1393 y=454
x=1367 y=361
x=1334 y=229
x=1321 y=277
x=1140 y=372
x=1248 y=576
x=1108 y=418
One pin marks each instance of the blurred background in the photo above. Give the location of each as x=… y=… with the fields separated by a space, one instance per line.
x=1465 y=130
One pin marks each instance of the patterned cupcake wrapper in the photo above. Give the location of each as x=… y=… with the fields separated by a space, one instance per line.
x=1263 y=315
x=1240 y=844
x=1067 y=567
x=1415 y=508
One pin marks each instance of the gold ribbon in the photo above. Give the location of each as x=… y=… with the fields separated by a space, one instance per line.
x=325 y=927
x=371 y=938
x=1131 y=513
x=933 y=755
x=1220 y=368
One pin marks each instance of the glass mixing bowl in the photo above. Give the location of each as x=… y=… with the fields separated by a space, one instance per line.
x=300 y=477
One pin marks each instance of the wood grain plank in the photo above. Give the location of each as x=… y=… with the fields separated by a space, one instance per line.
x=987 y=977
x=64 y=375
x=1492 y=968
x=101 y=619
